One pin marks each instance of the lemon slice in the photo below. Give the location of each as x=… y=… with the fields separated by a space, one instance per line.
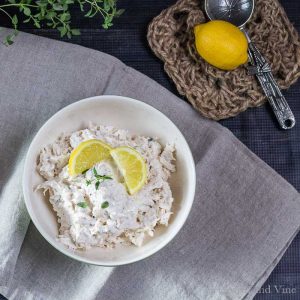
x=86 y=155
x=132 y=166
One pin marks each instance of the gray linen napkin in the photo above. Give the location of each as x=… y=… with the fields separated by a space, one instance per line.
x=243 y=218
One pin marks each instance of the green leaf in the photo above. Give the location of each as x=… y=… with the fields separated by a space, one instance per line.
x=119 y=12
x=75 y=32
x=107 y=5
x=105 y=204
x=42 y=4
x=97 y=185
x=109 y=18
x=62 y=17
x=82 y=204
x=51 y=14
x=67 y=17
x=103 y=177
x=9 y=40
x=57 y=7
x=40 y=16
x=62 y=30
x=27 y=11
x=95 y=171
x=88 y=182
x=37 y=24
x=14 y=20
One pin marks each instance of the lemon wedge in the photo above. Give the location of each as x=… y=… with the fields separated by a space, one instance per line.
x=132 y=167
x=86 y=155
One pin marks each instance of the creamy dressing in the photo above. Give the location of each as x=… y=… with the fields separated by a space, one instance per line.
x=103 y=214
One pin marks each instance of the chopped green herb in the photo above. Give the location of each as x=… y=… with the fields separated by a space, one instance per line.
x=98 y=178
x=102 y=177
x=95 y=172
x=82 y=204
x=97 y=185
x=84 y=171
x=105 y=204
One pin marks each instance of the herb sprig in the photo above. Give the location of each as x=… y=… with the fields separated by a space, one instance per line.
x=56 y=14
x=98 y=179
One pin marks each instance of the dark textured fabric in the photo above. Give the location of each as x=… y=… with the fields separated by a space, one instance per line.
x=256 y=128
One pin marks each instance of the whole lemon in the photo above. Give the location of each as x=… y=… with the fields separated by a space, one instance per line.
x=221 y=44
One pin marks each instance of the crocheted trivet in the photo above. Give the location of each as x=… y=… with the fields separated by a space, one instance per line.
x=215 y=93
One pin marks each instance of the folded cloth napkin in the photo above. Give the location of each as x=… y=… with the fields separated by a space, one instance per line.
x=243 y=218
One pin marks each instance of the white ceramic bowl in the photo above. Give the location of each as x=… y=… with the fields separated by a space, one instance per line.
x=138 y=118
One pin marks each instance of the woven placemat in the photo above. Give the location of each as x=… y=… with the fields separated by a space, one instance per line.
x=215 y=93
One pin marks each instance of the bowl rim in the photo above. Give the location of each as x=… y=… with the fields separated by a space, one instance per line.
x=68 y=252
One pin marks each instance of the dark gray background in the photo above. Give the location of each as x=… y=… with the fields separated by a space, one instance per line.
x=256 y=128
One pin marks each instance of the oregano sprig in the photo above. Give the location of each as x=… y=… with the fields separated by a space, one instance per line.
x=56 y=14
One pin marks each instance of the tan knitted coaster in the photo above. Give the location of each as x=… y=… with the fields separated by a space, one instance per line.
x=219 y=94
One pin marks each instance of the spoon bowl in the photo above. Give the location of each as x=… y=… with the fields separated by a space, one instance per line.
x=234 y=11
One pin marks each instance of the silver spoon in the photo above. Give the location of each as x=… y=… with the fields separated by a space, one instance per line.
x=239 y=12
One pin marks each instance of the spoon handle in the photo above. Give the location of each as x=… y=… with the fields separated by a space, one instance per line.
x=262 y=70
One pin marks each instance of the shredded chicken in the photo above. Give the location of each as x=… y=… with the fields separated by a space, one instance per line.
x=106 y=215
